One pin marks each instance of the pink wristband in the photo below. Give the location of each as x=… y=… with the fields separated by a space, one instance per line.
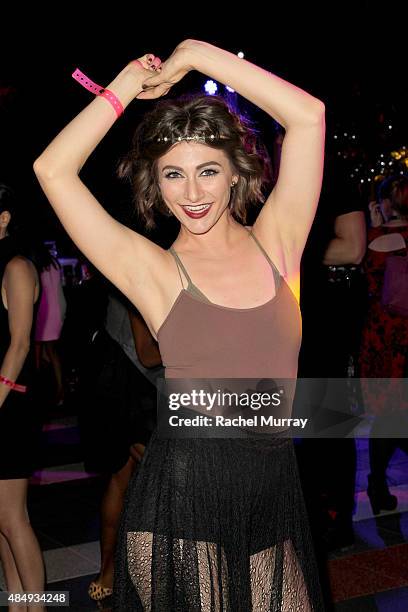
x=87 y=83
x=98 y=90
x=13 y=385
x=114 y=100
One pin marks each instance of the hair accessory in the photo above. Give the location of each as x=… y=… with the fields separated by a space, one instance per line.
x=98 y=90
x=12 y=384
x=196 y=138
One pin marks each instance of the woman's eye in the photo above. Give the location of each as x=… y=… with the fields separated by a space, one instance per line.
x=211 y=170
x=172 y=174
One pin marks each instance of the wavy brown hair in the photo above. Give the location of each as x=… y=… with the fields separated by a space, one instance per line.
x=204 y=116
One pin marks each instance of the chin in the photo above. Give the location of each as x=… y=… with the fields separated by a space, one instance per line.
x=199 y=228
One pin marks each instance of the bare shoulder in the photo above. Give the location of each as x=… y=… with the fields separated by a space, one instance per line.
x=21 y=273
x=21 y=267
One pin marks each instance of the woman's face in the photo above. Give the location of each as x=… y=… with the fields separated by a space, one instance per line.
x=195 y=183
x=4 y=221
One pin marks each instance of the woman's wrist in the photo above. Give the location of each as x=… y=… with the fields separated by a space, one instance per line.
x=127 y=84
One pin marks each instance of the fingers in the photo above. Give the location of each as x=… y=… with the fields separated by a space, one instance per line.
x=154 y=81
x=154 y=92
x=148 y=62
x=156 y=63
x=153 y=62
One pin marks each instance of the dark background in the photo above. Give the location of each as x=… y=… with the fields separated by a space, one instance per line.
x=351 y=55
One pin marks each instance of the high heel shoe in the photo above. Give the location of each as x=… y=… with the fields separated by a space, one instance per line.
x=97 y=592
x=379 y=496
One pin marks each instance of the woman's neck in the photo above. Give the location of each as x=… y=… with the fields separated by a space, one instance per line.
x=222 y=238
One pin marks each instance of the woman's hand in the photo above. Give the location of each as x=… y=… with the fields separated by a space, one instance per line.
x=143 y=67
x=168 y=73
x=137 y=451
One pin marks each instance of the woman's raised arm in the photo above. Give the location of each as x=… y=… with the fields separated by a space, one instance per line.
x=126 y=258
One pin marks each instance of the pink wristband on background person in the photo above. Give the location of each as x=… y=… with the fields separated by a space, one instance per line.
x=98 y=90
x=12 y=384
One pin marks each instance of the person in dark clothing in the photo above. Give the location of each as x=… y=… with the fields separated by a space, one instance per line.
x=118 y=414
x=20 y=420
x=333 y=298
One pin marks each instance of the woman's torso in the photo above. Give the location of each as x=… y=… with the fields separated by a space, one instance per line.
x=199 y=338
x=6 y=255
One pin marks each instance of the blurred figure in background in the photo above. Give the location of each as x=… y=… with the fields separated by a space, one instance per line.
x=50 y=318
x=381 y=208
x=384 y=346
x=118 y=410
x=333 y=306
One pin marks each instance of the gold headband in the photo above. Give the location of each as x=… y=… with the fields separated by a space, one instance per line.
x=196 y=138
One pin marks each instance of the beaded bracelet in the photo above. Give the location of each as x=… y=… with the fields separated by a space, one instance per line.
x=98 y=91
x=12 y=384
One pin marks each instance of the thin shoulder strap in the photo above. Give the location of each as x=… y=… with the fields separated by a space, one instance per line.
x=276 y=273
x=191 y=287
x=180 y=265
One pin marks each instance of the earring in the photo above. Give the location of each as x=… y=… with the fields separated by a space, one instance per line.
x=233 y=184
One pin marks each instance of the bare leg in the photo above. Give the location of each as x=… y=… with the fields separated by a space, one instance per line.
x=139 y=550
x=262 y=566
x=111 y=509
x=16 y=529
x=10 y=572
x=208 y=560
x=295 y=597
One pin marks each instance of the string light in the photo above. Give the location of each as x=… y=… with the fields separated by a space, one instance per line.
x=387 y=164
x=210 y=87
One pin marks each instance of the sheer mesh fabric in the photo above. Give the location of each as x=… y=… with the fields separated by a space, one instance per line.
x=216 y=526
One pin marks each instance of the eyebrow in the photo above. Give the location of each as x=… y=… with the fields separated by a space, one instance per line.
x=210 y=163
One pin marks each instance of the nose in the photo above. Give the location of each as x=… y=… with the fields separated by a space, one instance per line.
x=193 y=191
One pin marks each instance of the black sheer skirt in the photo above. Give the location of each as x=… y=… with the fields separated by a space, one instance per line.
x=216 y=525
